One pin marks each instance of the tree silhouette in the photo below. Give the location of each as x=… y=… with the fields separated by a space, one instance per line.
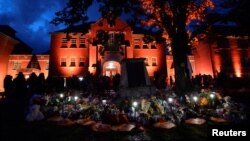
x=181 y=22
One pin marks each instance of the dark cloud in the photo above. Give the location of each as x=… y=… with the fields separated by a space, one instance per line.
x=30 y=18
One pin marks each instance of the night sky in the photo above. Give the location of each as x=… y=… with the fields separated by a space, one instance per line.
x=30 y=18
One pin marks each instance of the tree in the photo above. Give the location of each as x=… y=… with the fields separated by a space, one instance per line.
x=180 y=21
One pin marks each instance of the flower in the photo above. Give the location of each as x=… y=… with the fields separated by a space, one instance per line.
x=203 y=101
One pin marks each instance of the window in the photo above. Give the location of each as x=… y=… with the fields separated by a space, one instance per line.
x=73 y=62
x=73 y=43
x=137 y=43
x=111 y=25
x=146 y=61
x=63 y=62
x=154 y=61
x=82 y=42
x=16 y=65
x=64 y=43
x=145 y=46
x=153 y=45
x=111 y=40
x=82 y=62
x=34 y=64
x=47 y=66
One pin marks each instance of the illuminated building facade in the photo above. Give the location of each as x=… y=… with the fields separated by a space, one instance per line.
x=228 y=50
x=79 y=53
x=16 y=56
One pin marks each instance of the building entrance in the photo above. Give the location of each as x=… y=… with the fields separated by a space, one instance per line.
x=111 y=68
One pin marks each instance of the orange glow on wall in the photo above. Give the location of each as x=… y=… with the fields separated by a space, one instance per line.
x=203 y=60
x=217 y=63
x=235 y=55
x=154 y=54
x=236 y=64
x=6 y=46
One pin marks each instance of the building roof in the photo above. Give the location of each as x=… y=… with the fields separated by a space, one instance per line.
x=34 y=64
x=6 y=29
x=21 y=47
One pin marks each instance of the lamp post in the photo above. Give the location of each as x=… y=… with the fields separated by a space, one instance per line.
x=75 y=98
x=195 y=98
x=80 y=86
x=212 y=96
x=62 y=96
x=134 y=106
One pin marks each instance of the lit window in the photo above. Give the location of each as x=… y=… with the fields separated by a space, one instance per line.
x=73 y=43
x=16 y=65
x=154 y=61
x=137 y=43
x=111 y=25
x=47 y=66
x=146 y=61
x=145 y=46
x=82 y=62
x=34 y=64
x=111 y=40
x=153 y=45
x=63 y=62
x=73 y=62
x=82 y=42
x=64 y=43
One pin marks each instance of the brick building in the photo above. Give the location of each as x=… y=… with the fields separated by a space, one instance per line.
x=75 y=52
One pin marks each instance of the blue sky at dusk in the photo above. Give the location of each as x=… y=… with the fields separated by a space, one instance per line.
x=30 y=18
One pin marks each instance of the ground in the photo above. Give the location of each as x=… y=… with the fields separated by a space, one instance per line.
x=12 y=129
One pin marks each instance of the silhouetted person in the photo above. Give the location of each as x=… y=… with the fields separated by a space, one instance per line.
x=8 y=86
x=41 y=83
x=221 y=80
x=32 y=84
x=116 y=82
x=21 y=98
x=171 y=81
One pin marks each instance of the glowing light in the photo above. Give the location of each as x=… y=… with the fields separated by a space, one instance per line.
x=80 y=78
x=76 y=98
x=236 y=60
x=110 y=65
x=170 y=100
x=195 y=98
x=104 y=101
x=238 y=74
x=212 y=96
x=135 y=104
x=61 y=95
x=27 y=76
